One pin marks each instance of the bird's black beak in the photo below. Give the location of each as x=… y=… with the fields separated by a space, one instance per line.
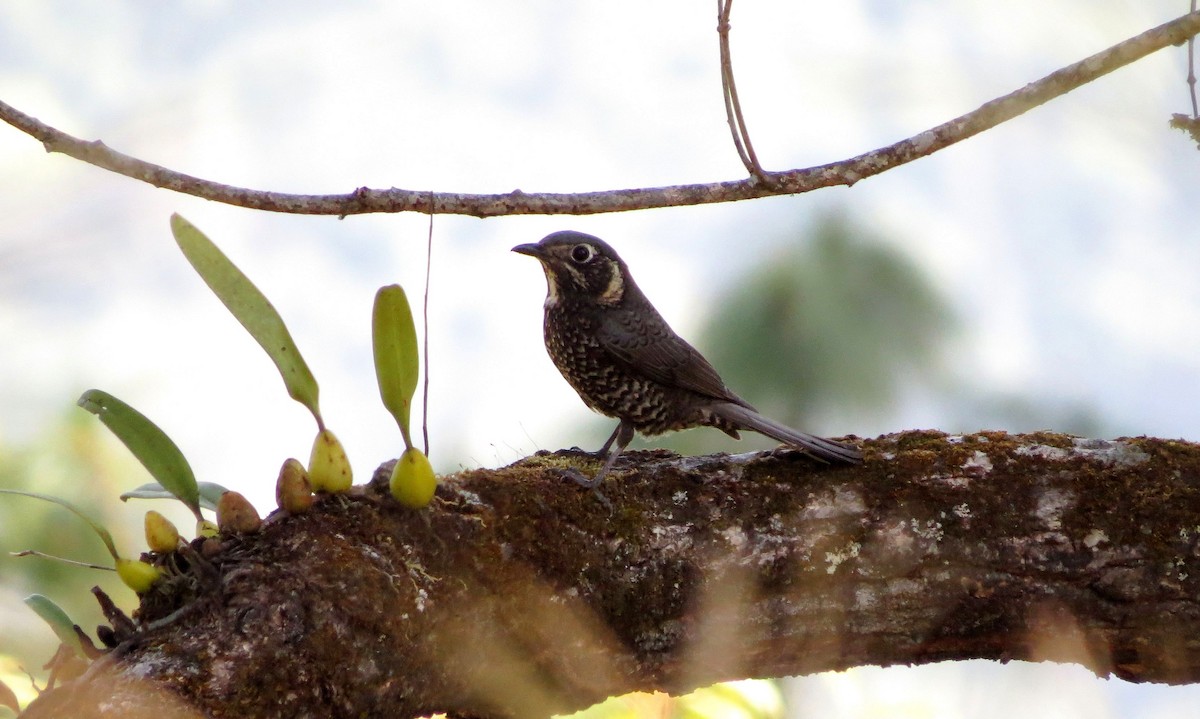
x=532 y=249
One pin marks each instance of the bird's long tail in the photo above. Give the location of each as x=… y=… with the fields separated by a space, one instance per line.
x=824 y=449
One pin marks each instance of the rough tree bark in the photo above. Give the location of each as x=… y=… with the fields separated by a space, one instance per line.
x=519 y=594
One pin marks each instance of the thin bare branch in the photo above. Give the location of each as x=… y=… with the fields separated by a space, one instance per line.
x=64 y=560
x=1191 y=76
x=843 y=172
x=733 y=106
x=425 y=334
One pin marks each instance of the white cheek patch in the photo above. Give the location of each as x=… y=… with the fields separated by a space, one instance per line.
x=615 y=290
x=551 y=289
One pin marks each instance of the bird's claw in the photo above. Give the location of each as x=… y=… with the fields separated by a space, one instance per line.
x=576 y=476
x=591 y=483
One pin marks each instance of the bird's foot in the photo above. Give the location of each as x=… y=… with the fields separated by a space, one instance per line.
x=595 y=454
x=580 y=478
x=592 y=483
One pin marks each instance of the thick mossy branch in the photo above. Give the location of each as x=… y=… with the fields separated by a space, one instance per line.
x=519 y=594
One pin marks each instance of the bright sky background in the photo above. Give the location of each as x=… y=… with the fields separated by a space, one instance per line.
x=1066 y=238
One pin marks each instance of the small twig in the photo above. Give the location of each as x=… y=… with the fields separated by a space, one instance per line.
x=90 y=650
x=63 y=666
x=43 y=555
x=425 y=322
x=1191 y=76
x=179 y=614
x=733 y=106
x=123 y=627
x=843 y=172
x=723 y=9
x=32 y=679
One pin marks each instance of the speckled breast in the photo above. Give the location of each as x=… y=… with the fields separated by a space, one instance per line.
x=603 y=383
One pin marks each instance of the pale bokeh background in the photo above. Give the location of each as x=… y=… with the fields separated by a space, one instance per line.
x=1065 y=240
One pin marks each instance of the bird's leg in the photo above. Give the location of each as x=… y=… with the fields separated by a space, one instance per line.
x=603 y=451
x=623 y=436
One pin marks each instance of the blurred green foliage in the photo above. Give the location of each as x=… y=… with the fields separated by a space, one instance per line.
x=837 y=321
x=78 y=459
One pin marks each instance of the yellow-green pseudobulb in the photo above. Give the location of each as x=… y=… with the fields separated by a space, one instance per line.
x=206 y=529
x=235 y=514
x=161 y=534
x=328 y=467
x=293 y=491
x=137 y=575
x=413 y=482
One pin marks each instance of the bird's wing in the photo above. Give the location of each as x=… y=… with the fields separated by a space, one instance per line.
x=649 y=347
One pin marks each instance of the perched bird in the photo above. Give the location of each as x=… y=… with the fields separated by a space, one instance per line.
x=626 y=362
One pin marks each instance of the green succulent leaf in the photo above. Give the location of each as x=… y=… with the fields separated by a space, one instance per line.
x=152 y=447
x=210 y=493
x=58 y=620
x=251 y=308
x=96 y=527
x=397 y=366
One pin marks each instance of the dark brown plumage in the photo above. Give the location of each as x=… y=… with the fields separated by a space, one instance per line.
x=626 y=362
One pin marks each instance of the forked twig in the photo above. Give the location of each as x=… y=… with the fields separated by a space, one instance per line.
x=733 y=106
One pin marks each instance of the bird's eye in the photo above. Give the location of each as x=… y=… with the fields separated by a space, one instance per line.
x=582 y=253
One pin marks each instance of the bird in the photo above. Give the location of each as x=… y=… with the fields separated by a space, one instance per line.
x=624 y=360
